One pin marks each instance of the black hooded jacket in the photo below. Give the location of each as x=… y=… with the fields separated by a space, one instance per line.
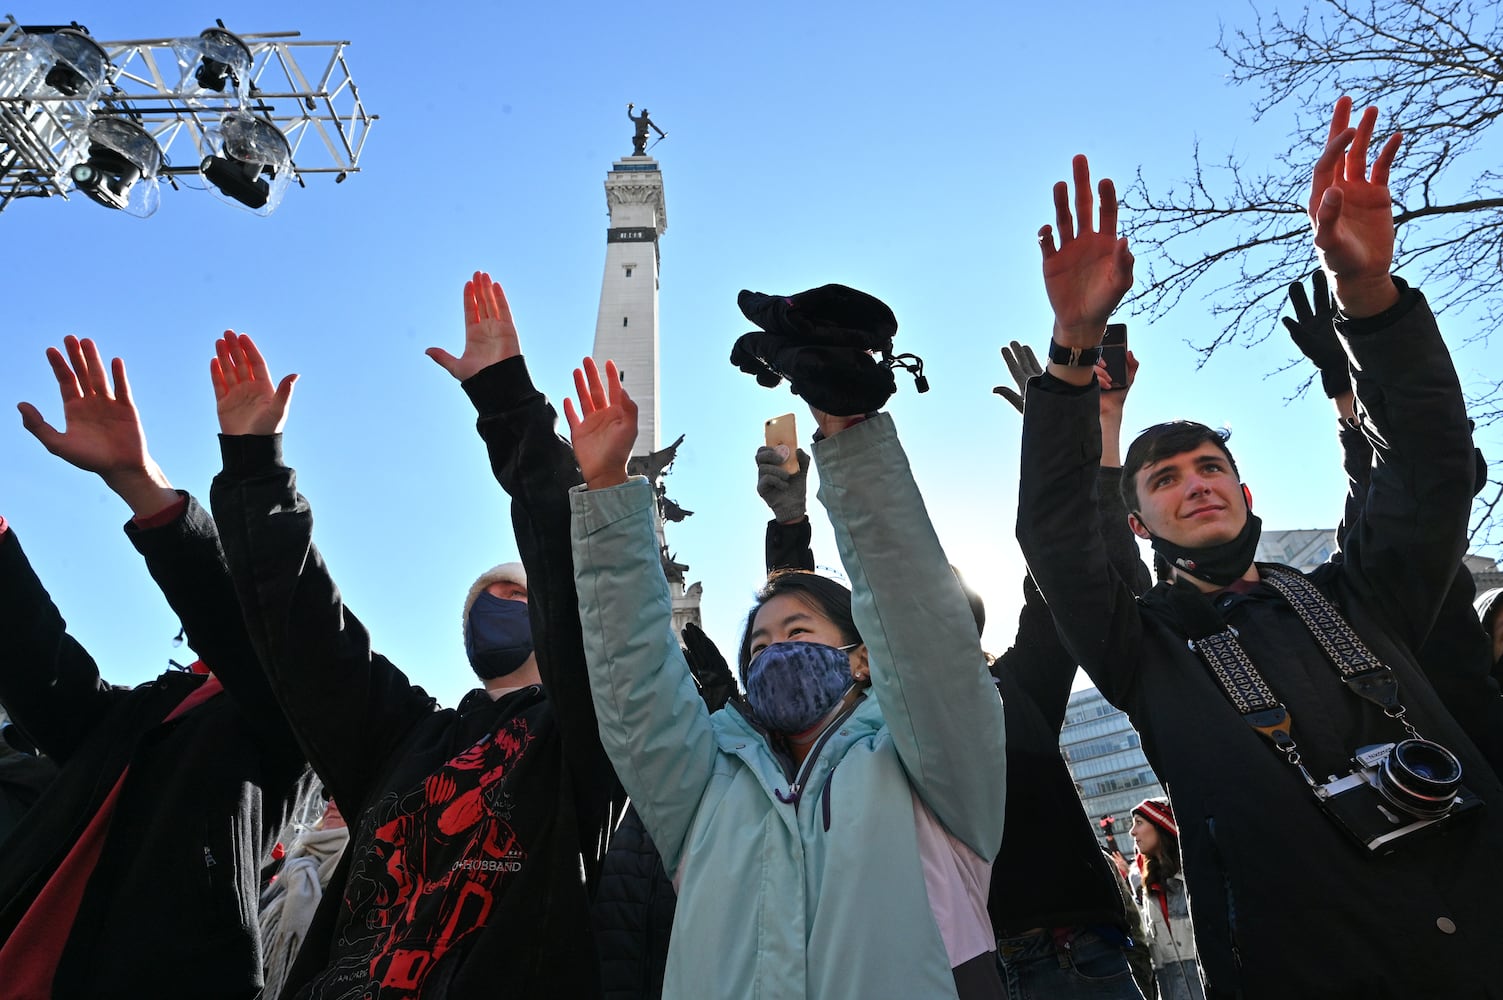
x=477 y=832
x=170 y=907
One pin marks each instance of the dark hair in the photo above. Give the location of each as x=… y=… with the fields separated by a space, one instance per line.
x=1161 y=441
x=819 y=593
x=1163 y=864
x=978 y=606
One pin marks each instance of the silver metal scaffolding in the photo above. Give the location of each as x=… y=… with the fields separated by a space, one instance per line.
x=302 y=88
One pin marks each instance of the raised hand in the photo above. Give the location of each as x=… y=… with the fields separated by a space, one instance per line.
x=1023 y=365
x=489 y=333
x=1313 y=330
x=102 y=429
x=1352 y=213
x=784 y=492
x=1113 y=402
x=1091 y=269
x=247 y=401
x=603 y=428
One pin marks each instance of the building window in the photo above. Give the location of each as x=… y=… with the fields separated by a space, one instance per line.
x=623 y=321
x=628 y=270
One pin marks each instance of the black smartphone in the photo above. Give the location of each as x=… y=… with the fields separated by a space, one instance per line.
x=1114 y=350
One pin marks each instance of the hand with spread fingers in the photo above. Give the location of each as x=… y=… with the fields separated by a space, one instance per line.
x=604 y=426
x=489 y=333
x=1352 y=213
x=1313 y=330
x=102 y=429
x=1090 y=270
x=1023 y=365
x=247 y=401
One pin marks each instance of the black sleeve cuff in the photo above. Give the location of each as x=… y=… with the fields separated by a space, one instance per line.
x=1059 y=387
x=1408 y=299
x=248 y=454
x=499 y=387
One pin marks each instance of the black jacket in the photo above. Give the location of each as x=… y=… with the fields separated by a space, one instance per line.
x=1284 y=904
x=1457 y=656
x=470 y=827
x=1050 y=871
x=170 y=909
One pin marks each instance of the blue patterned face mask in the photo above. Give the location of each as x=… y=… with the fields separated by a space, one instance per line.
x=791 y=685
x=499 y=639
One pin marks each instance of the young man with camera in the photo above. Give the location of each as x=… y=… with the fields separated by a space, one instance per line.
x=1339 y=830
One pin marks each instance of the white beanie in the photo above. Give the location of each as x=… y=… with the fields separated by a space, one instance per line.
x=511 y=572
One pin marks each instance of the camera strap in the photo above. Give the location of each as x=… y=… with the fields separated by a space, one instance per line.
x=1219 y=646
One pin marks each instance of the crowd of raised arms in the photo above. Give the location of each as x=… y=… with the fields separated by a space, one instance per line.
x=857 y=801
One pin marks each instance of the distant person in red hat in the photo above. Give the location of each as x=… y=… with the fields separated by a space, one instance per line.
x=1166 y=906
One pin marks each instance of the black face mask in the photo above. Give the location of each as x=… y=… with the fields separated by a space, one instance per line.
x=1215 y=564
x=499 y=637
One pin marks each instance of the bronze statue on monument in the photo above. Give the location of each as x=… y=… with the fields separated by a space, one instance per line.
x=643 y=123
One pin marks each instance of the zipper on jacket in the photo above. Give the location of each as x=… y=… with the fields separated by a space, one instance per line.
x=795 y=790
x=1226 y=885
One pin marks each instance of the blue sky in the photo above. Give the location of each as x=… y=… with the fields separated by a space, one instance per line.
x=906 y=150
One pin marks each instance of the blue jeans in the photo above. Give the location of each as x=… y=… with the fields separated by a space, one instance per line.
x=1086 y=967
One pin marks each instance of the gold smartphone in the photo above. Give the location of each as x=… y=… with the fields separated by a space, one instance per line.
x=781 y=431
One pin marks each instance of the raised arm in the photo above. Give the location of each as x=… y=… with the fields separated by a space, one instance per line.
x=786 y=495
x=348 y=705
x=1403 y=550
x=104 y=435
x=49 y=684
x=1086 y=273
x=653 y=723
x=536 y=468
x=927 y=669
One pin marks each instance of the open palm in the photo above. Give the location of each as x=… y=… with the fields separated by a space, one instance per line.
x=489 y=333
x=1090 y=271
x=102 y=429
x=604 y=426
x=244 y=396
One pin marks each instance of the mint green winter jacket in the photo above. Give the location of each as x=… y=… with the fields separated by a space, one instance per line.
x=865 y=875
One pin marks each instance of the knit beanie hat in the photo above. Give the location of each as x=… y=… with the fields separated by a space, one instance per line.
x=511 y=572
x=1158 y=812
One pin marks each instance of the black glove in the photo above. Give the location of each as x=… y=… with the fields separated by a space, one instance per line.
x=822 y=341
x=1314 y=333
x=711 y=673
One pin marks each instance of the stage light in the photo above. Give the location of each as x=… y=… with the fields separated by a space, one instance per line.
x=122 y=166
x=251 y=164
x=79 y=65
x=215 y=59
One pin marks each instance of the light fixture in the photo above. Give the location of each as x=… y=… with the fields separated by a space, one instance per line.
x=122 y=167
x=79 y=65
x=216 y=59
x=251 y=164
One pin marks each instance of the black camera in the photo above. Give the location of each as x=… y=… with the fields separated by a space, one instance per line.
x=1396 y=792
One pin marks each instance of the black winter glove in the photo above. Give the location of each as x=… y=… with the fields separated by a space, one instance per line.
x=822 y=341
x=711 y=673
x=1314 y=333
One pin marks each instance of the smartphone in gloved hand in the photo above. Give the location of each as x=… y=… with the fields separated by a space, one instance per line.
x=782 y=431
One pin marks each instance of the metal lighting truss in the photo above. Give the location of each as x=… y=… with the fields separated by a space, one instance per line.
x=317 y=109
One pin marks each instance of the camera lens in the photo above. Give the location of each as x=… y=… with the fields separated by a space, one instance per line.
x=1420 y=778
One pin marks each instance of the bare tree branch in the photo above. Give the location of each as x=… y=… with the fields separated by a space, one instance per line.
x=1235 y=232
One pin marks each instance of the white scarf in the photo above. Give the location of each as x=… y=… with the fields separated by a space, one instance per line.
x=288 y=903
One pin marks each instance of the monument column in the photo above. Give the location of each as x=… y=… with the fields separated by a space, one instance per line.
x=626 y=331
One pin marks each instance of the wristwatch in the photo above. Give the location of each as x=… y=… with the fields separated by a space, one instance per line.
x=1074 y=357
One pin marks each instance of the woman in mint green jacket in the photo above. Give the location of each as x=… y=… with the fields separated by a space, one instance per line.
x=834 y=838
